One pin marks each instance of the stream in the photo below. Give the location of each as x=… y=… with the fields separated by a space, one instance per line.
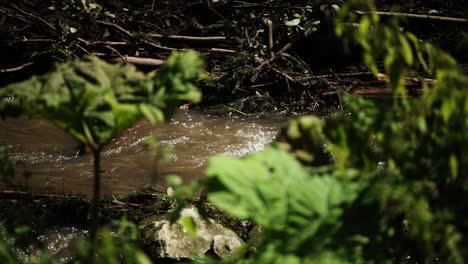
x=51 y=157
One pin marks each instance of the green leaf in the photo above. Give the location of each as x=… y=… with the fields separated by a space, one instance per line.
x=275 y=191
x=153 y=114
x=453 y=167
x=95 y=101
x=406 y=50
x=141 y=258
x=189 y=225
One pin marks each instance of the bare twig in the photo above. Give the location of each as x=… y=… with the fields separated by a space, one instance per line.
x=116 y=52
x=277 y=54
x=37 y=40
x=5 y=12
x=152 y=44
x=22 y=28
x=130 y=34
x=116 y=201
x=261 y=85
x=283 y=73
x=34 y=16
x=247 y=37
x=121 y=29
x=215 y=11
x=83 y=49
x=17 y=68
x=107 y=43
x=396 y=14
x=111 y=43
x=235 y=110
x=148 y=24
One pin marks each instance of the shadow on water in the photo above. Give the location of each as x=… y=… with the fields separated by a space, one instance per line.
x=51 y=157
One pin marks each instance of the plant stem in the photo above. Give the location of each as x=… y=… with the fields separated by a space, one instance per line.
x=96 y=196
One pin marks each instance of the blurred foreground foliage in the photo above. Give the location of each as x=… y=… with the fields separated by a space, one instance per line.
x=372 y=184
x=379 y=183
x=95 y=102
x=116 y=243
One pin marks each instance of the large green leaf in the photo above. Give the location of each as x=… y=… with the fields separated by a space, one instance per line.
x=274 y=190
x=95 y=101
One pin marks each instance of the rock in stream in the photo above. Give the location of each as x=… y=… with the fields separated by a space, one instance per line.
x=172 y=241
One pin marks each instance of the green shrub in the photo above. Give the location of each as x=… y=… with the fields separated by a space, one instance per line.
x=299 y=209
x=392 y=179
x=94 y=101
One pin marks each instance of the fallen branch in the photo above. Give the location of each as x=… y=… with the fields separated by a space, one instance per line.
x=409 y=81
x=130 y=34
x=374 y=91
x=431 y=17
x=219 y=50
x=194 y=38
x=159 y=46
x=382 y=91
x=21 y=195
x=140 y=61
x=107 y=43
x=350 y=74
x=37 y=40
x=116 y=201
x=17 y=68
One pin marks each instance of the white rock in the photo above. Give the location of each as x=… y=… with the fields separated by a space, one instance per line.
x=224 y=245
x=173 y=241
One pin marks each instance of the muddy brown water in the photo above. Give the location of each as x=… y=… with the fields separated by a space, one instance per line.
x=50 y=155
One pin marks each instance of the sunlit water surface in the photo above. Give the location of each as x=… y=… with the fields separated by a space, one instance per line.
x=50 y=155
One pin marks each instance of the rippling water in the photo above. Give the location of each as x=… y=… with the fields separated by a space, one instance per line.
x=59 y=241
x=51 y=156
